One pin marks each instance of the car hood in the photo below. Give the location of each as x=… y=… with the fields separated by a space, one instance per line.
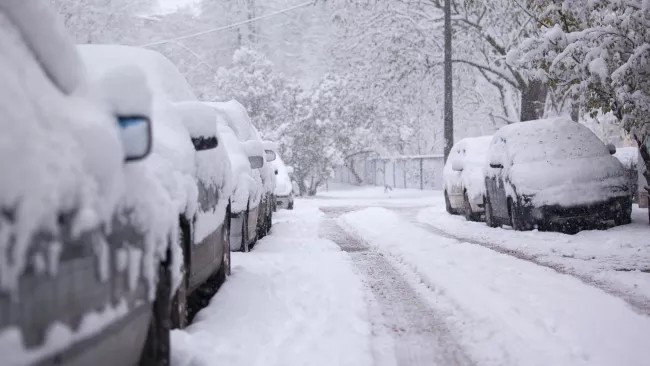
x=570 y=182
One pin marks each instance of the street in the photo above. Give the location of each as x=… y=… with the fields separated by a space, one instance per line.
x=364 y=277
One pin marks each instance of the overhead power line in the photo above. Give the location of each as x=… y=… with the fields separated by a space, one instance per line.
x=227 y=26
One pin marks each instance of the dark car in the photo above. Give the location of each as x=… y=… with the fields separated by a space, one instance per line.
x=553 y=173
x=84 y=278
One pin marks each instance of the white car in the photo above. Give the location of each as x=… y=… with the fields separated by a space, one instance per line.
x=554 y=172
x=189 y=164
x=283 y=185
x=247 y=159
x=463 y=178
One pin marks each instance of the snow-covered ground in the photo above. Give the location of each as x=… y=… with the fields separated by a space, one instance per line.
x=507 y=311
x=294 y=300
x=352 y=277
x=617 y=259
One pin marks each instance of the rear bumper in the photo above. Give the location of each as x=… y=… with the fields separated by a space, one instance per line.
x=283 y=201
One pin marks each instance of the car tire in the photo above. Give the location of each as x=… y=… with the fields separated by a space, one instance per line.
x=245 y=245
x=623 y=219
x=450 y=210
x=517 y=222
x=489 y=214
x=179 y=301
x=290 y=207
x=157 y=347
x=467 y=209
x=225 y=269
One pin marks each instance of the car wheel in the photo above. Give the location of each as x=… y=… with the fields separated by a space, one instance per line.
x=516 y=220
x=623 y=219
x=179 y=302
x=489 y=214
x=156 y=350
x=245 y=245
x=467 y=208
x=448 y=205
x=224 y=269
x=290 y=207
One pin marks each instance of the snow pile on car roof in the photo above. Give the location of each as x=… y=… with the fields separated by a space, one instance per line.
x=161 y=73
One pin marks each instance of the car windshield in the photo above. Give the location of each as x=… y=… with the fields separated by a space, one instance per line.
x=562 y=141
x=324 y=182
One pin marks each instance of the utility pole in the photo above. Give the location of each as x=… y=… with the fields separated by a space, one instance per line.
x=449 y=104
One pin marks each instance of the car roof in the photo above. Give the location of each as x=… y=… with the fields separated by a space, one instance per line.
x=162 y=74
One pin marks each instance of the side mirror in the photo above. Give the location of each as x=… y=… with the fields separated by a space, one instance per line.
x=270 y=155
x=496 y=165
x=256 y=162
x=457 y=166
x=136 y=136
x=289 y=170
x=611 y=148
x=200 y=121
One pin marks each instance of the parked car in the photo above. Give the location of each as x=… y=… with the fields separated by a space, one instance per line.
x=553 y=172
x=246 y=158
x=283 y=187
x=194 y=171
x=463 y=181
x=84 y=260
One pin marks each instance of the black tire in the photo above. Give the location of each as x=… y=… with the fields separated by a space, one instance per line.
x=245 y=245
x=224 y=269
x=179 y=301
x=623 y=219
x=290 y=207
x=467 y=209
x=517 y=222
x=450 y=210
x=489 y=214
x=157 y=348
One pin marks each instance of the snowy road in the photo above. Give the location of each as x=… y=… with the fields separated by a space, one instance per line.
x=356 y=279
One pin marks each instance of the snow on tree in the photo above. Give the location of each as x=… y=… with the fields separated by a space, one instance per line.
x=598 y=54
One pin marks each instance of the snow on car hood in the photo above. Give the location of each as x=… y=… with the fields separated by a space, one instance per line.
x=570 y=182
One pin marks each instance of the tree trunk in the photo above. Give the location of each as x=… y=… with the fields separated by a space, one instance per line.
x=349 y=163
x=449 y=104
x=645 y=156
x=533 y=98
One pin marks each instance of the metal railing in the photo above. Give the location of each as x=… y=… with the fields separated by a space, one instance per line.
x=413 y=171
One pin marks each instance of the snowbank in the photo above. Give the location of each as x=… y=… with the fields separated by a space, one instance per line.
x=506 y=311
x=283 y=306
x=613 y=258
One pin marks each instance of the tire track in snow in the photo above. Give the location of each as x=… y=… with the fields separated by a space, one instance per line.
x=419 y=337
x=638 y=303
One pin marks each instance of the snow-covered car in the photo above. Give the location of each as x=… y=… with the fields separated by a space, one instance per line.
x=246 y=158
x=463 y=180
x=553 y=172
x=236 y=118
x=84 y=264
x=283 y=185
x=192 y=167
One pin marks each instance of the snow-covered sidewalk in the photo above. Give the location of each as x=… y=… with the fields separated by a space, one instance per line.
x=614 y=259
x=294 y=300
x=507 y=311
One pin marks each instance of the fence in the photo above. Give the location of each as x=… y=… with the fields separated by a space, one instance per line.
x=417 y=172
